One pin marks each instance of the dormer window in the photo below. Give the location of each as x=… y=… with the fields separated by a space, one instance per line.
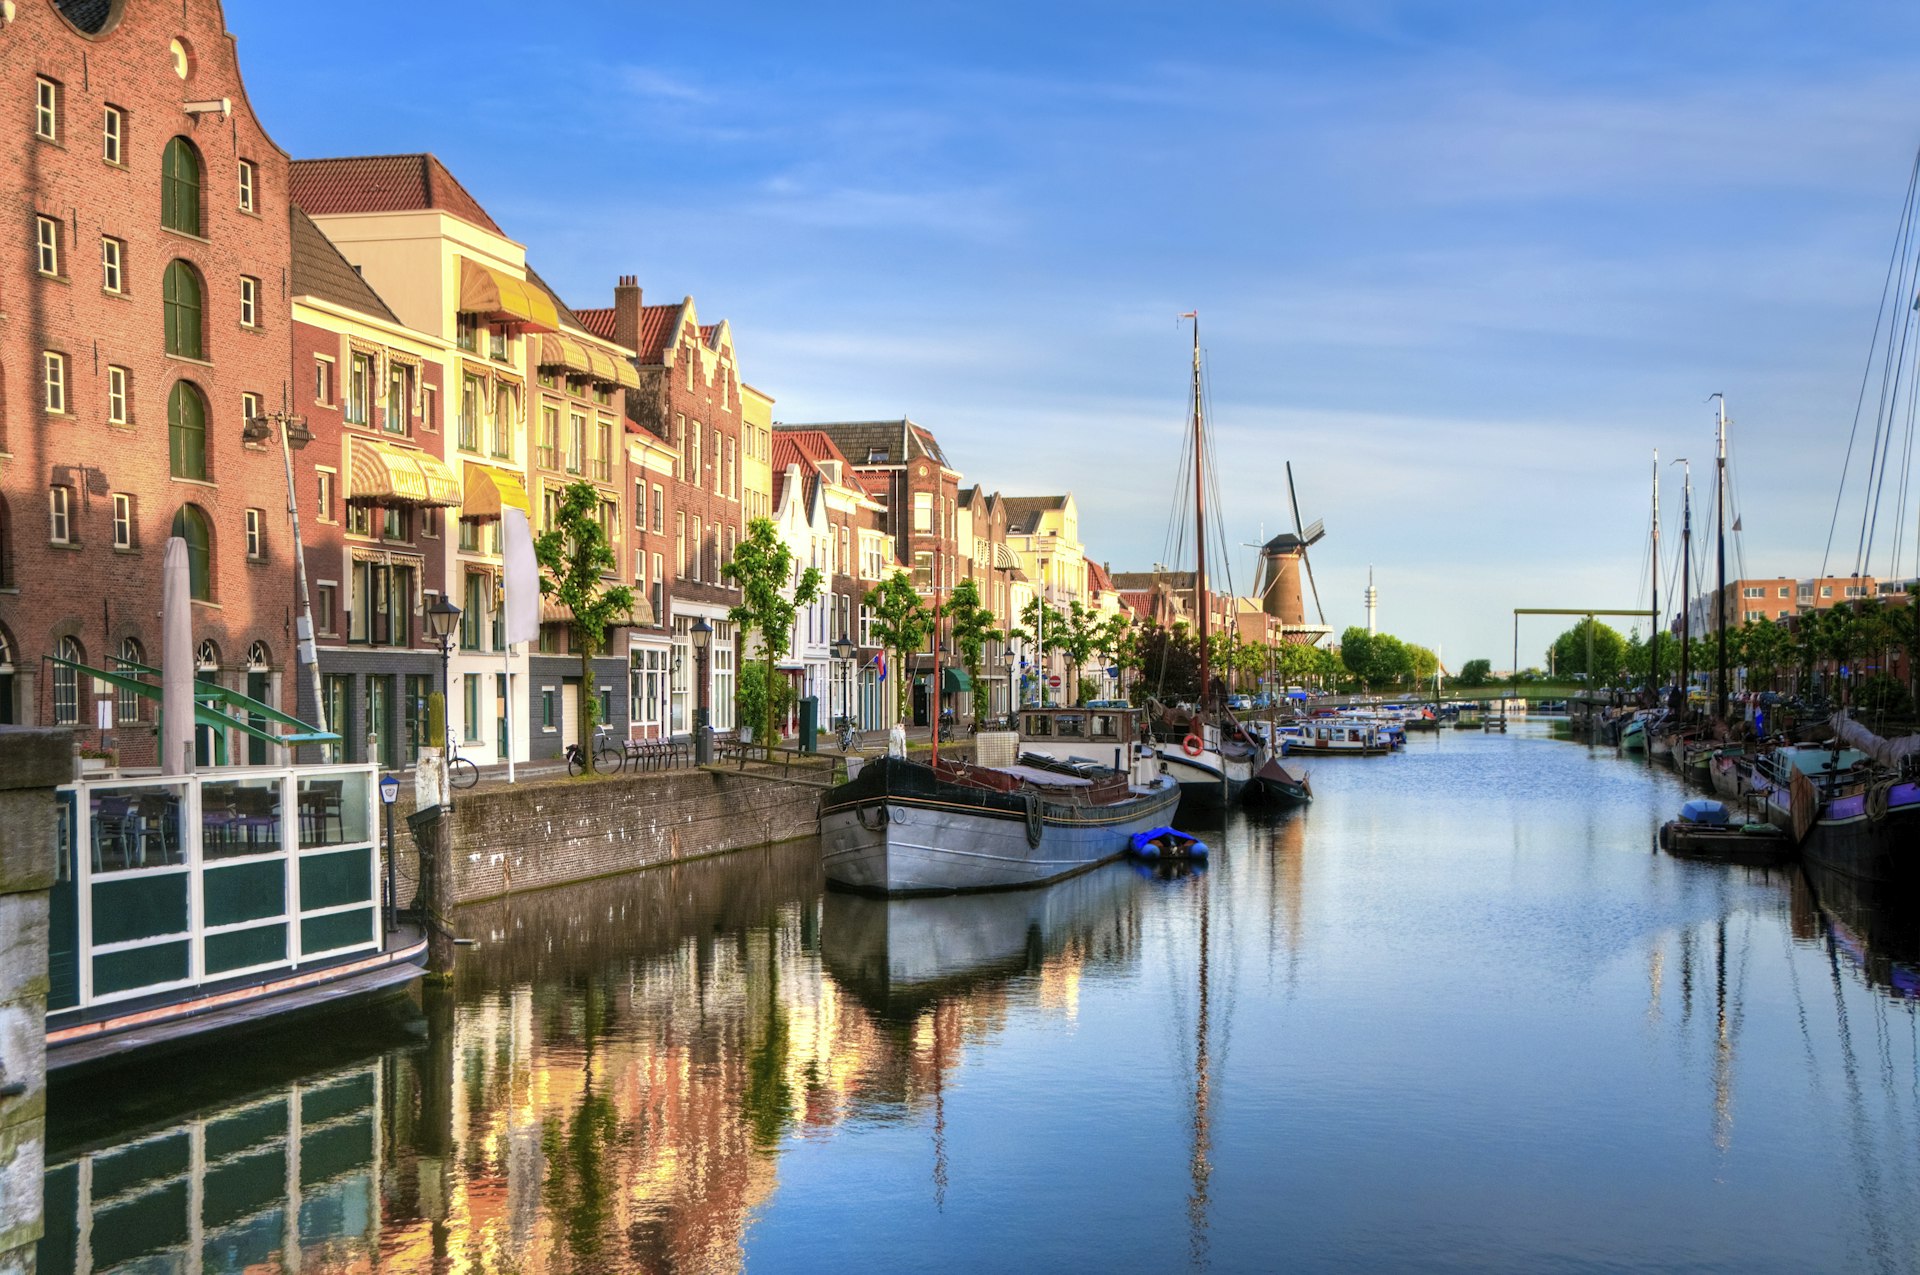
x=877 y=455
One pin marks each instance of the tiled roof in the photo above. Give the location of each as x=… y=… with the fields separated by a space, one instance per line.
x=815 y=445
x=88 y=15
x=320 y=271
x=863 y=442
x=382 y=183
x=568 y=319
x=1130 y=580
x=786 y=452
x=659 y=328
x=598 y=321
x=1024 y=512
x=1098 y=581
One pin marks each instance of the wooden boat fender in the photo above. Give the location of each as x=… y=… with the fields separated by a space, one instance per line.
x=1192 y=746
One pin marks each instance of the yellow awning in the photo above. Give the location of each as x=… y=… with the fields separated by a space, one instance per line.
x=380 y=473
x=558 y=350
x=489 y=490
x=498 y=297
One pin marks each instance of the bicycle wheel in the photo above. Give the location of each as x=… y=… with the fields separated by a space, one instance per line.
x=462 y=773
x=576 y=762
x=610 y=760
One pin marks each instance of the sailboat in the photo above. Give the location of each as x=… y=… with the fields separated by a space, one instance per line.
x=1207 y=751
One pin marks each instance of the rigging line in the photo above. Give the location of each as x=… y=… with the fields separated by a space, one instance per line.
x=1891 y=363
x=1894 y=544
x=1733 y=506
x=1873 y=342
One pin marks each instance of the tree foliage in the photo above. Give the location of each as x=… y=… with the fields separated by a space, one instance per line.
x=1474 y=673
x=901 y=622
x=771 y=594
x=971 y=624
x=575 y=563
x=1609 y=652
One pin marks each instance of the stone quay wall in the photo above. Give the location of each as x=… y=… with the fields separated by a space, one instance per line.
x=32 y=763
x=546 y=833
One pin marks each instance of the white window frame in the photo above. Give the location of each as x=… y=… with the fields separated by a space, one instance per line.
x=46 y=242
x=53 y=380
x=59 y=515
x=325 y=365
x=46 y=108
x=249 y=406
x=116 y=394
x=325 y=481
x=122 y=520
x=256 y=535
x=249 y=301
x=113 y=135
x=248 y=179
x=113 y=257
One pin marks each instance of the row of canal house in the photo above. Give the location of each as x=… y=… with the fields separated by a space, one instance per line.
x=182 y=291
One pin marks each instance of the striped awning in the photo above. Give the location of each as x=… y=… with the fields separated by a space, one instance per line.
x=553 y=611
x=380 y=473
x=583 y=358
x=489 y=490
x=498 y=297
x=1004 y=558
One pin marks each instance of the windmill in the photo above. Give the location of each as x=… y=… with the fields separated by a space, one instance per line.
x=1283 y=561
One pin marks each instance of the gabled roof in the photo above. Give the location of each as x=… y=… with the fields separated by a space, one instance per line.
x=320 y=271
x=865 y=443
x=382 y=183
x=1098 y=581
x=598 y=321
x=1024 y=512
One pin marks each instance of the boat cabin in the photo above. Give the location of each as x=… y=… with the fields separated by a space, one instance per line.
x=1102 y=725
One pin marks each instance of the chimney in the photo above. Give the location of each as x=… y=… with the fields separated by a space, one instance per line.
x=626 y=312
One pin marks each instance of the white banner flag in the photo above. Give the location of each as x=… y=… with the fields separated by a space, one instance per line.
x=522 y=576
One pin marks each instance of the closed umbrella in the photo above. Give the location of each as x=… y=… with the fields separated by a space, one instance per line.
x=176 y=660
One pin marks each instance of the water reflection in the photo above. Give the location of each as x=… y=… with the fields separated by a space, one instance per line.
x=1371 y=1034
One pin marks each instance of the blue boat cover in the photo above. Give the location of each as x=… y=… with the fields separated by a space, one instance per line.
x=1156 y=843
x=1701 y=810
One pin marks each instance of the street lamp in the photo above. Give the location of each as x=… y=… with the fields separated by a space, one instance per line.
x=843 y=652
x=442 y=618
x=702 y=634
x=1012 y=662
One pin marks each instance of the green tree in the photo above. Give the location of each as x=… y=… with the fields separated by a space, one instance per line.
x=1169 y=662
x=576 y=562
x=1609 y=651
x=971 y=623
x=1474 y=673
x=901 y=623
x=1356 y=654
x=771 y=593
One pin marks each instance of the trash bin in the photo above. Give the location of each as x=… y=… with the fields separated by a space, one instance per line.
x=809 y=723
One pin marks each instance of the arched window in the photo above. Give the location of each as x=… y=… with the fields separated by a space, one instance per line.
x=186 y=432
x=66 y=683
x=180 y=187
x=126 y=702
x=206 y=657
x=258 y=658
x=180 y=294
x=191 y=525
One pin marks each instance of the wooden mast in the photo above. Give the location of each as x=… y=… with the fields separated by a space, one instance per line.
x=1200 y=519
x=1653 y=677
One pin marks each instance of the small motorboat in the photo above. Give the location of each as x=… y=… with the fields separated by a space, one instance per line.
x=1168 y=843
x=1280 y=782
x=1705 y=831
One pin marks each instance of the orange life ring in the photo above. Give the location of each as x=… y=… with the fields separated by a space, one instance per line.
x=1192 y=745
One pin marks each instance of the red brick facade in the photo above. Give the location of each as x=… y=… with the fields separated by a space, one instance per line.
x=86 y=590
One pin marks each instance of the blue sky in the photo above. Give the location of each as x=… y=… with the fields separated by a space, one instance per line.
x=1465 y=265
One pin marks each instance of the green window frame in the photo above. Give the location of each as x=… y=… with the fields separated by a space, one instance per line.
x=191 y=524
x=180 y=179
x=187 y=432
x=182 y=302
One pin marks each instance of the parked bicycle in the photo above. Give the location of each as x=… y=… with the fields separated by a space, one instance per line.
x=946 y=726
x=609 y=756
x=461 y=773
x=849 y=734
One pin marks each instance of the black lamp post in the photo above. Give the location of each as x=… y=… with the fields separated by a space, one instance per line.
x=1012 y=663
x=843 y=652
x=442 y=618
x=702 y=634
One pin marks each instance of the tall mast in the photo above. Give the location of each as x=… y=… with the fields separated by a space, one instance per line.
x=1686 y=583
x=1653 y=679
x=1200 y=516
x=1720 y=547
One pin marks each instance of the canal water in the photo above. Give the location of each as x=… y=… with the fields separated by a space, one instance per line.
x=1457 y=1015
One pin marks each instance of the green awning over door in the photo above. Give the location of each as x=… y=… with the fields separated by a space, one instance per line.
x=954 y=681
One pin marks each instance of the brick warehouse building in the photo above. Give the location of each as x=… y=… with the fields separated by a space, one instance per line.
x=143 y=316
